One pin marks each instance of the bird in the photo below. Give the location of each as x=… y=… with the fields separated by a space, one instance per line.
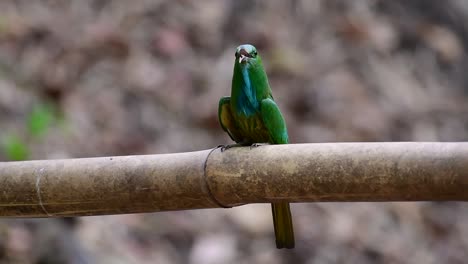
x=251 y=117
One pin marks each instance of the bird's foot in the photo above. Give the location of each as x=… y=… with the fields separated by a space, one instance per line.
x=226 y=147
x=256 y=145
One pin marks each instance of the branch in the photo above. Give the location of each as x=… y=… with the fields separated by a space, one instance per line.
x=211 y=178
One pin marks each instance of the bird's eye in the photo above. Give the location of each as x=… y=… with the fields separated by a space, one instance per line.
x=254 y=53
x=236 y=54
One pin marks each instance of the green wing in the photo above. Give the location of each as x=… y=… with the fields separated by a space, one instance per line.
x=282 y=220
x=227 y=120
x=274 y=122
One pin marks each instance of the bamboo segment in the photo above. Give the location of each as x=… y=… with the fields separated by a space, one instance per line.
x=107 y=185
x=340 y=172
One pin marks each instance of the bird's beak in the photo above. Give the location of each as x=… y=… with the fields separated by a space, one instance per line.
x=242 y=57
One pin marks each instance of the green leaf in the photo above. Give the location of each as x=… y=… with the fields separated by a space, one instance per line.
x=40 y=119
x=15 y=148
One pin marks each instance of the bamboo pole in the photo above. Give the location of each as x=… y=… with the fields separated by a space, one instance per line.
x=211 y=178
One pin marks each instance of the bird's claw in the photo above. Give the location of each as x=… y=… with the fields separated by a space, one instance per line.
x=256 y=145
x=224 y=147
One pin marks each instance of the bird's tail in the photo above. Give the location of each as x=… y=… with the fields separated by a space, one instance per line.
x=282 y=222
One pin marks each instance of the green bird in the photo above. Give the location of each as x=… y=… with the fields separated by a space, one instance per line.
x=251 y=116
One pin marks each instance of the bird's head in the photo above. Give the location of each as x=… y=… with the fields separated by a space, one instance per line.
x=246 y=54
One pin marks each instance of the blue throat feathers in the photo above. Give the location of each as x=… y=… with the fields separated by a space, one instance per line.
x=247 y=103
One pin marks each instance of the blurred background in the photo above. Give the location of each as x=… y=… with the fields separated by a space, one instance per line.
x=99 y=77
